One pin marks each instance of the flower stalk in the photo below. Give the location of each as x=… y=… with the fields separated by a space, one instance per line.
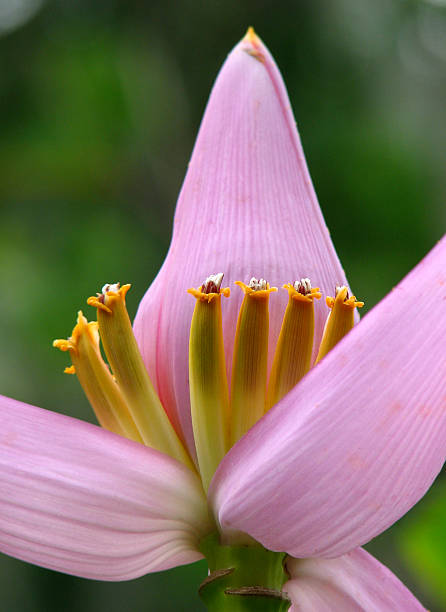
x=243 y=578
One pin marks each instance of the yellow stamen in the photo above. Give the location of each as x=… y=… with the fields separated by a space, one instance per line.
x=131 y=375
x=340 y=320
x=207 y=378
x=249 y=366
x=93 y=374
x=292 y=358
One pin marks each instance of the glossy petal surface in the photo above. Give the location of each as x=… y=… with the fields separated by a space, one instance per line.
x=359 y=441
x=247 y=208
x=78 y=499
x=355 y=582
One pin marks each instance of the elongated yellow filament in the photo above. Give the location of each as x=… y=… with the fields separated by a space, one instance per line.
x=340 y=320
x=207 y=379
x=292 y=358
x=102 y=391
x=131 y=375
x=250 y=361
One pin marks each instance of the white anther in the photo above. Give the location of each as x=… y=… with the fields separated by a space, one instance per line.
x=213 y=283
x=303 y=286
x=113 y=287
x=258 y=284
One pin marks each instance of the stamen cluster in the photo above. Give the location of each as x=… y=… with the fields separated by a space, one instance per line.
x=220 y=418
x=126 y=402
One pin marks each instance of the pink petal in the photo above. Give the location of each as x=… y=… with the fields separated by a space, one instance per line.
x=247 y=208
x=354 y=582
x=359 y=441
x=78 y=499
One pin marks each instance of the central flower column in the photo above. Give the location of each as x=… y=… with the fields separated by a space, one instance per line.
x=243 y=578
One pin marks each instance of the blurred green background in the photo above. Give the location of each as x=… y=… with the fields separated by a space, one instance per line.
x=100 y=103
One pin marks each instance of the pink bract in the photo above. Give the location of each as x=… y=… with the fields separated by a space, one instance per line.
x=247 y=208
x=356 y=581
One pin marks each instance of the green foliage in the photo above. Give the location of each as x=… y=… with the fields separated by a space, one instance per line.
x=423 y=544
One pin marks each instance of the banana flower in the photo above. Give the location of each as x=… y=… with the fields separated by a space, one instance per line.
x=277 y=482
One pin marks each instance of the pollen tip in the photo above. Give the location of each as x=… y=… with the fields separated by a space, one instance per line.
x=110 y=288
x=258 y=284
x=303 y=286
x=257 y=287
x=70 y=370
x=302 y=290
x=342 y=296
x=109 y=293
x=210 y=289
x=342 y=292
x=213 y=283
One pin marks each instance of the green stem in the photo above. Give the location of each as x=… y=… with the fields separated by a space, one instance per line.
x=243 y=578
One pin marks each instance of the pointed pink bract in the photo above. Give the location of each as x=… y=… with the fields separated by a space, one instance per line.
x=247 y=208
